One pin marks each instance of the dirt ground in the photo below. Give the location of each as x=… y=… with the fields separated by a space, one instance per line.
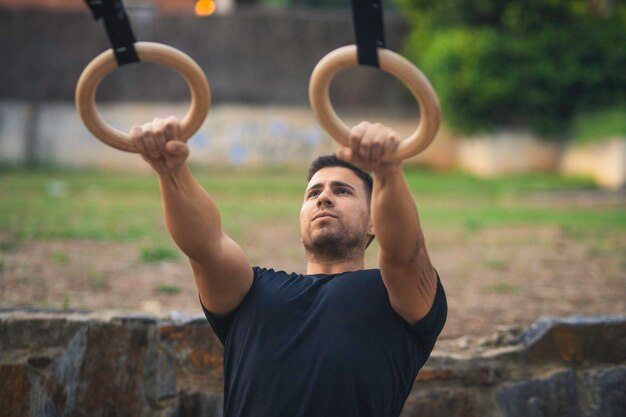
x=493 y=277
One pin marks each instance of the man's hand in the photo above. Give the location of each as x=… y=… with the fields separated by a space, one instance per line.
x=368 y=145
x=159 y=146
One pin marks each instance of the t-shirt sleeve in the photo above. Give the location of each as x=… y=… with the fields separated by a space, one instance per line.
x=427 y=329
x=221 y=324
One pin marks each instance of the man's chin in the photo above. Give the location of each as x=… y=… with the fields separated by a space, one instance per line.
x=325 y=236
x=330 y=245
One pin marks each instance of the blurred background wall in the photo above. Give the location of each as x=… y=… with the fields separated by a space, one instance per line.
x=258 y=61
x=523 y=89
x=255 y=55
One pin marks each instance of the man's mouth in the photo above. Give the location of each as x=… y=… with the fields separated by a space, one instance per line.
x=323 y=215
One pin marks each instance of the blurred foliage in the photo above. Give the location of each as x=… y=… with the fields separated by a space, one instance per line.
x=604 y=123
x=532 y=63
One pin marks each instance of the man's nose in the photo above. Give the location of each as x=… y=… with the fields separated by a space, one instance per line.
x=324 y=199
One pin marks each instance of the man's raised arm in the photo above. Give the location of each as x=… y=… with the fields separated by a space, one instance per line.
x=222 y=271
x=409 y=277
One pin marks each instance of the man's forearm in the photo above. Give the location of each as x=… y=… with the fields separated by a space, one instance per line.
x=395 y=219
x=190 y=214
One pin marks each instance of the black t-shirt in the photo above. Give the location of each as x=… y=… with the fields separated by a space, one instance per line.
x=321 y=346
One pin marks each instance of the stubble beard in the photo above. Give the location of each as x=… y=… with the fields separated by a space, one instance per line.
x=333 y=246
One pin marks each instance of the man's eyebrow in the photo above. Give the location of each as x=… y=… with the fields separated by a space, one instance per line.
x=314 y=186
x=341 y=184
x=332 y=184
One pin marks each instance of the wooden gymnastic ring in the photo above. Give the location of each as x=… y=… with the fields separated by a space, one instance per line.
x=104 y=63
x=391 y=62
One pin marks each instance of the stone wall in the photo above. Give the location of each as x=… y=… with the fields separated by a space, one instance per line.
x=252 y=56
x=52 y=133
x=606 y=161
x=83 y=364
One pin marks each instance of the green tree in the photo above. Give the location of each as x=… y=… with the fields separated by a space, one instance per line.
x=520 y=62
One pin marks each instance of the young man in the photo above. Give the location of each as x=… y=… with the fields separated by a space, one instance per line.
x=337 y=341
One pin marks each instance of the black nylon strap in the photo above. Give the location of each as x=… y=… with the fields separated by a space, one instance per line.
x=367 y=16
x=118 y=28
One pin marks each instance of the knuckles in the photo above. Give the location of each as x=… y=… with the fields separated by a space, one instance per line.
x=154 y=134
x=366 y=134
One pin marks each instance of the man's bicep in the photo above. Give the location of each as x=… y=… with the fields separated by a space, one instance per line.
x=224 y=278
x=411 y=288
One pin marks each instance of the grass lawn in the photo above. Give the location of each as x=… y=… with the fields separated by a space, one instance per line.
x=72 y=204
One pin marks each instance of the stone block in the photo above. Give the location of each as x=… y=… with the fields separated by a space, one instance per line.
x=605 y=161
x=607 y=390
x=507 y=151
x=577 y=339
x=160 y=376
x=196 y=354
x=481 y=368
x=166 y=380
x=14 y=390
x=483 y=375
x=471 y=375
x=43 y=332
x=194 y=344
x=428 y=374
x=39 y=362
x=99 y=374
x=442 y=402
x=137 y=366
x=554 y=396
x=197 y=404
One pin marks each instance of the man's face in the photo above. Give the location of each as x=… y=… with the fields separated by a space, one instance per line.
x=335 y=214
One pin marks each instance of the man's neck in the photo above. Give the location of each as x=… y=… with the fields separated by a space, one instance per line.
x=316 y=266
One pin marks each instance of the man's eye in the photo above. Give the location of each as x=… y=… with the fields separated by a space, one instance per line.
x=343 y=191
x=313 y=193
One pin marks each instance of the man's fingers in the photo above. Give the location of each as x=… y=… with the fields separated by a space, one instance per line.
x=172 y=128
x=376 y=151
x=149 y=141
x=344 y=153
x=158 y=132
x=136 y=135
x=390 y=145
x=356 y=137
x=369 y=145
x=158 y=144
x=371 y=142
x=177 y=148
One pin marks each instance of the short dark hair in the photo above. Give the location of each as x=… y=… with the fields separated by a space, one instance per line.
x=329 y=161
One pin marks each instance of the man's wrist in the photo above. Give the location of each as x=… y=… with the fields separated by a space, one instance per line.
x=176 y=175
x=388 y=170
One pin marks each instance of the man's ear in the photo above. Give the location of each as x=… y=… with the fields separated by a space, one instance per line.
x=371 y=234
